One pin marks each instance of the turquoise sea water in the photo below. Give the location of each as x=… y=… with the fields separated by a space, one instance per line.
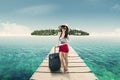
x=21 y=56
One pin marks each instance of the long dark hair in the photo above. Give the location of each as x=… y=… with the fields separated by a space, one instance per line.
x=66 y=32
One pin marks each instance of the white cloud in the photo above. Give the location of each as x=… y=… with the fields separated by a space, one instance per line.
x=12 y=29
x=116 y=33
x=35 y=10
x=116 y=6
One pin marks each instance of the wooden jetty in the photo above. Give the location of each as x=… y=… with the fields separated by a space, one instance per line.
x=77 y=69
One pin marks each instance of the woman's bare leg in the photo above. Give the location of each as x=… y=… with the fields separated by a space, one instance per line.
x=61 y=59
x=66 y=60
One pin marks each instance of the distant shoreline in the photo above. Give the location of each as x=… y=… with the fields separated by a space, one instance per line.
x=54 y=32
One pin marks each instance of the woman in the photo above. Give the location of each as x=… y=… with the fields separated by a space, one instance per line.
x=63 y=46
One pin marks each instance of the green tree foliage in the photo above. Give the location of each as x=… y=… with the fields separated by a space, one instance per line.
x=55 y=32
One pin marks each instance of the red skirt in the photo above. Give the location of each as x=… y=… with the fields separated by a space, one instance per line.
x=64 y=48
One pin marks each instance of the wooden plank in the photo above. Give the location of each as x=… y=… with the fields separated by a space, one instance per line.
x=70 y=60
x=70 y=69
x=70 y=64
x=61 y=76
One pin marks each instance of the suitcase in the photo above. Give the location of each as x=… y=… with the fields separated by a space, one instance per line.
x=54 y=61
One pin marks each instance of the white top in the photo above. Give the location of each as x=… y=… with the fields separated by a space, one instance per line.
x=62 y=41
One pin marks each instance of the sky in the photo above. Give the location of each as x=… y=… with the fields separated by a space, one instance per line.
x=98 y=17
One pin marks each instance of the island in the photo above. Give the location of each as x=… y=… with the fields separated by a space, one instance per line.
x=48 y=32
